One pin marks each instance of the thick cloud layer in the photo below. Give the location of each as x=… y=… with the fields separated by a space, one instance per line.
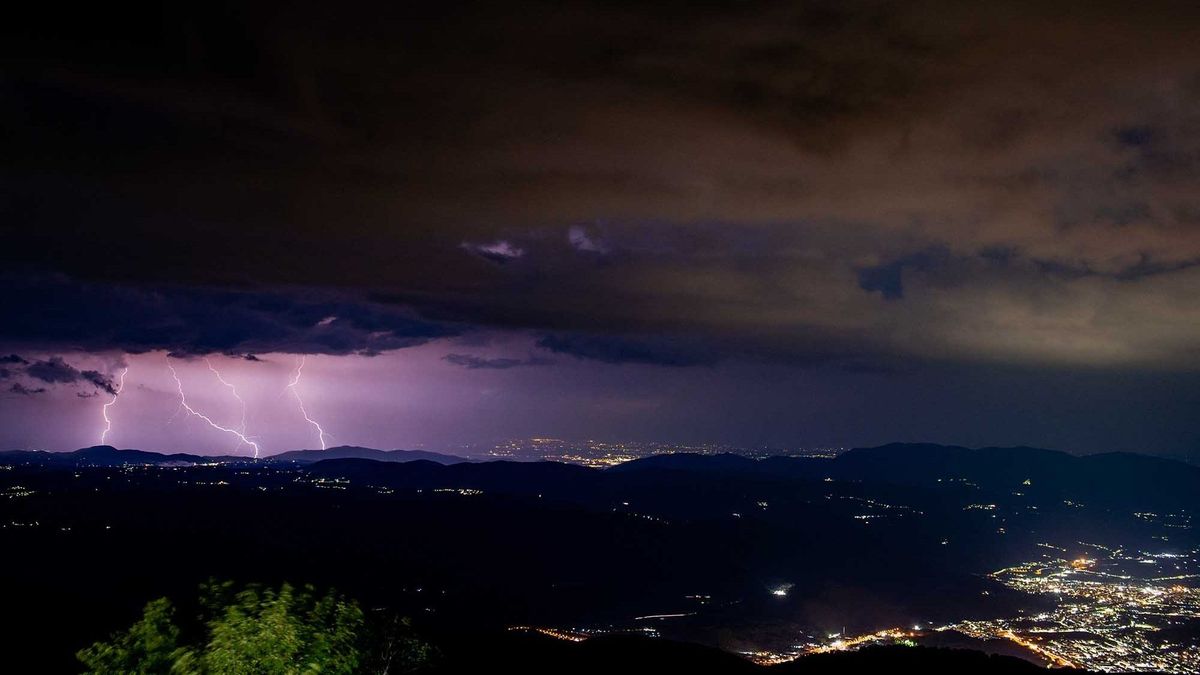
x=473 y=362
x=51 y=371
x=55 y=370
x=68 y=314
x=864 y=182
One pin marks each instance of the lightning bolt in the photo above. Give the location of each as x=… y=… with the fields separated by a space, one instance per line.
x=242 y=402
x=184 y=404
x=104 y=410
x=296 y=392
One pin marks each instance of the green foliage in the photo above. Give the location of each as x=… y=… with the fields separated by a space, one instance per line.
x=149 y=646
x=258 y=630
x=284 y=631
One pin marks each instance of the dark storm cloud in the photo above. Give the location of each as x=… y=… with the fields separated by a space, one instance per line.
x=472 y=362
x=768 y=176
x=64 y=313
x=18 y=388
x=11 y=360
x=888 y=278
x=98 y=380
x=659 y=351
x=1134 y=135
x=55 y=370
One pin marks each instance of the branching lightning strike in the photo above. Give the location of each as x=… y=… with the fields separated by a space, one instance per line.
x=299 y=401
x=240 y=400
x=184 y=404
x=104 y=410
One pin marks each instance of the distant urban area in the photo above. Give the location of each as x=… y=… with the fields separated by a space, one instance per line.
x=600 y=454
x=1076 y=562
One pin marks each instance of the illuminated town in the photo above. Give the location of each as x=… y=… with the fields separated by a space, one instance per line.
x=835 y=642
x=831 y=643
x=601 y=454
x=1116 y=609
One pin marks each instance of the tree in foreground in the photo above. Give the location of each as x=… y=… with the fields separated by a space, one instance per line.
x=255 y=630
x=149 y=646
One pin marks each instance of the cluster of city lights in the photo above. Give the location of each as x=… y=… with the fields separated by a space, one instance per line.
x=1115 y=610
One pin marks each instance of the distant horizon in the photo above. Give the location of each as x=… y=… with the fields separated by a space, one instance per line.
x=661 y=448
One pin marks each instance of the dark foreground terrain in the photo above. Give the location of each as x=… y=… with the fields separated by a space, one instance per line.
x=775 y=560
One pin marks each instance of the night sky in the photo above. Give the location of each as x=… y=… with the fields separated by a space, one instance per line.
x=757 y=224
